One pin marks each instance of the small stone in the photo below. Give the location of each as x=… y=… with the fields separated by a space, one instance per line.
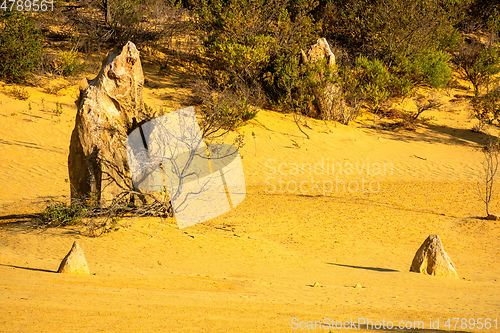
x=431 y=259
x=316 y=284
x=358 y=286
x=83 y=84
x=493 y=217
x=74 y=262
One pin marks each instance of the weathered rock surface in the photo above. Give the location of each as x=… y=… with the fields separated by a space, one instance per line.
x=431 y=259
x=329 y=103
x=107 y=106
x=493 y=217
x=74 y=262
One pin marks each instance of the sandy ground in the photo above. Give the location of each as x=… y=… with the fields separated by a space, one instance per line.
x=350 y=205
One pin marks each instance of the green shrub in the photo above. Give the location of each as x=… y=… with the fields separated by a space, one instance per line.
x=391 y=29
x=61 y=214
x=374 y=80
x=246 y=41
x=58 y=110
x=427 y=67
x=479 y=64
x=434 y=68
x=241 y=60
x=20 y=47
x=409 y=38
x=226 y=112
x=295 y=81
x=69 y=62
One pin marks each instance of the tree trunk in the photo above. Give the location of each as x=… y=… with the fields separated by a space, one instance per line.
x=108 y=17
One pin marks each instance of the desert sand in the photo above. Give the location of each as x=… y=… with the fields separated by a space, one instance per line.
x=305 y=221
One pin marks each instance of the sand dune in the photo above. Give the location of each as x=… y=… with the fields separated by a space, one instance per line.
x=253 y=269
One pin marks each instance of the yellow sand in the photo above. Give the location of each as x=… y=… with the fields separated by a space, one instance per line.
x=254 y=268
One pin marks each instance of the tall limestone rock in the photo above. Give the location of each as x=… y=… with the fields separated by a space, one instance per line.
x=107 y=106
x=329 y=101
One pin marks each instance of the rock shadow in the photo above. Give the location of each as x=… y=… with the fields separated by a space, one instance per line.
x=376 y=269
x=29 y=268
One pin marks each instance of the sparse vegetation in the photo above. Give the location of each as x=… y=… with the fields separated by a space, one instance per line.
x=250 y=50
x=147 y=23
x=250 y=46
x=98 y=220
x=20 y=46
x=225 y=110
x=228 y=113
x=70 y=63
x=411 y=119
x=58 y=110
x=19 y=93
x=58 y=214
x=490 y=168
x=404 y=42
x=486 y=108
x=149 y=112
x=479 y=64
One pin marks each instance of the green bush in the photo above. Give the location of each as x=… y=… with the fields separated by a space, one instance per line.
x=398 y=45
x=428 y=67
x=479 y=64
x=296 y=81
x=434 y=68
x=225 y=111
x=246 y=42
x=241 y=60
x=69 y=62
x=374 y=80
x=409 y=38
x=61 y=214
x=20 y=47
x=391 y=29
